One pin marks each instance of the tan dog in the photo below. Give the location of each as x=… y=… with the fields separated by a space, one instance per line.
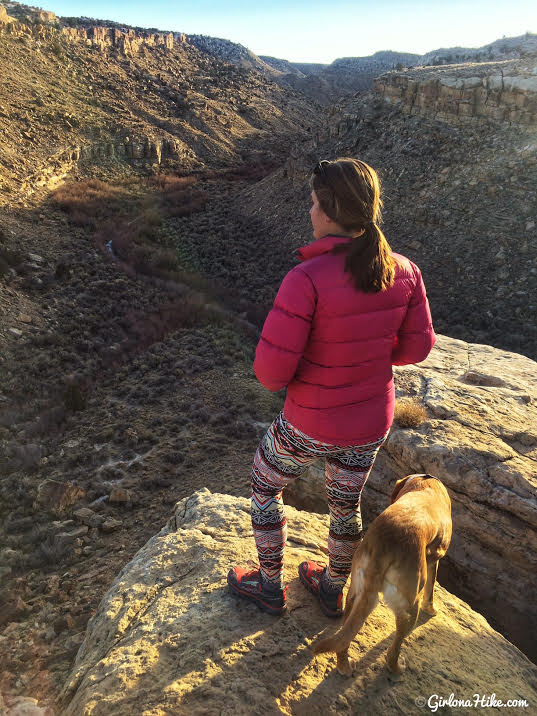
x=398 y=557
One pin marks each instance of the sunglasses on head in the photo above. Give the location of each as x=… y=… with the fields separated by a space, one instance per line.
x=319 y=170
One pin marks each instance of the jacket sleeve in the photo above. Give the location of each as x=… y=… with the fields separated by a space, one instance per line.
x=416 y=336
x=286 y=331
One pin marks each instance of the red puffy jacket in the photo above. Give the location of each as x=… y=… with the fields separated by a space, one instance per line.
x=334 y=347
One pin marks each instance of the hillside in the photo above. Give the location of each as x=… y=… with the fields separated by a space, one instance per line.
x=100 y=92
x=459 y=193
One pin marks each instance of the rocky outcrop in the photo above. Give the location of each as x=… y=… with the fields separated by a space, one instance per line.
x=480 y=439
x=168 y=637
x=28 y=14
x=138 y=150
x=128 y=42
x=45 y=25
x=505 y=92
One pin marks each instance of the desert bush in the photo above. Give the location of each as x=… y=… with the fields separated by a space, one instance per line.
x=165 y=260
x=183 y=204
x=89 y=203
x=56 y=47
x=409 y=413
x=74 y=396
x=171 y=182
x=50 y=551
x=9 y=259
x=19 y=525
x=38 y=534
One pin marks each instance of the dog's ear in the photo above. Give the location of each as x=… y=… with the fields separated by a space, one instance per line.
x=397 y=489
x=399 y=486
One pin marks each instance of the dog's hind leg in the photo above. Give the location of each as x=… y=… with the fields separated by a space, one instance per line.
x=366 y=602
x=428 y=605
x=405 y=621
x=361 y=600
x=404 y=625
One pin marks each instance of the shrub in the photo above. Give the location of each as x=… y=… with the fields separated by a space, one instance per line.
x=90 y=202
x=409 y=413
x=50 y=551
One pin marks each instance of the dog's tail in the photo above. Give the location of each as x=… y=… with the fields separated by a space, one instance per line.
x=363 y=605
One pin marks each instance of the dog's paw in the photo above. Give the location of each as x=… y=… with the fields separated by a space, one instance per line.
x=396 y=668
x=346 y=666
x=429 y=609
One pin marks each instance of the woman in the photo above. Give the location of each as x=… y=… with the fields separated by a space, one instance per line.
x=348 y=312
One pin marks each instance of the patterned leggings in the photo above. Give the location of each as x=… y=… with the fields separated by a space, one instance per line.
x=283 y=454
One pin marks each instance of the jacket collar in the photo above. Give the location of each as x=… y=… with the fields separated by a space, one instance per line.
x=321 y=246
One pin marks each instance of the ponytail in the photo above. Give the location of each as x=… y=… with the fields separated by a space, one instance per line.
x=369 y=260
x=348 y=191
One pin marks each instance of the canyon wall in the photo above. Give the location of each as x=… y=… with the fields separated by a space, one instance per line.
x=505 y=92
x=128 y=42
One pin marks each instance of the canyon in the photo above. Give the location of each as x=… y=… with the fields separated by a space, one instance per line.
x=153 y=193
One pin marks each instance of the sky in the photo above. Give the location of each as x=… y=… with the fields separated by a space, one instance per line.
x=322 y=30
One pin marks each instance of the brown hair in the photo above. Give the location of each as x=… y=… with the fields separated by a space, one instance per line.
x=348 y=192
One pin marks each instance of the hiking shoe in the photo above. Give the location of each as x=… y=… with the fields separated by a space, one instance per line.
x=331 y=601
x=249 y=585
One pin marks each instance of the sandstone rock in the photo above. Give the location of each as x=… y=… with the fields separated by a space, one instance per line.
x=168 y=637
x=89 y=517
x=119 y=495
x=24 y=706
x=481 y=440
x=111 y=525
x=129 y=43
x=73 y=537
x=15 y=609
x=63 y=623
x=57 y=496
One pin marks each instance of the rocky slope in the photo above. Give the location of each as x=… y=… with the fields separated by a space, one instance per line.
x=168 y=638
x=507 y=48
x=128 y=390
x=480 y=439
x=232 y=52
x=459 y=201
x=100 y=93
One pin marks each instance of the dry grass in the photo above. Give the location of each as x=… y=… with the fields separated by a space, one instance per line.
x=409 y=413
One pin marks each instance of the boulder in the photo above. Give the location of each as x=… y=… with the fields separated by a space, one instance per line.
x=481 y=441
x=57 y=496
x=169 y=638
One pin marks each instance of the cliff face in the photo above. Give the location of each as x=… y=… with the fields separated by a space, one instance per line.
x=505 y=92
x=128 y=43
x=168 y=638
